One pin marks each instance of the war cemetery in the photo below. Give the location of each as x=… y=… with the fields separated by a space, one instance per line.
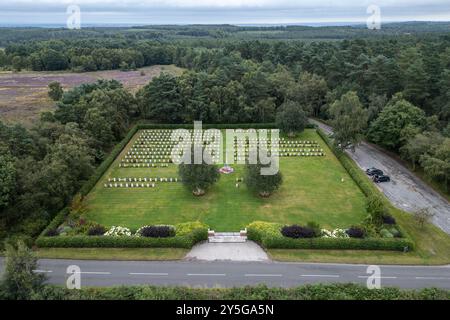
x=142 y=199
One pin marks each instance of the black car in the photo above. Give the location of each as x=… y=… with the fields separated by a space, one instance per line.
x=381 y=178
x=374 y=172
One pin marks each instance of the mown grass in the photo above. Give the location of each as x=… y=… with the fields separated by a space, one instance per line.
x=313 y=190
x=131 y=254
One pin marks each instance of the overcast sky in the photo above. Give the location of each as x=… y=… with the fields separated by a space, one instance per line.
x=137 y=12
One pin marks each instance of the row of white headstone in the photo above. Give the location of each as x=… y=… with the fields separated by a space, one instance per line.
x=143 y=165
x=131 y=185
x=144 y=179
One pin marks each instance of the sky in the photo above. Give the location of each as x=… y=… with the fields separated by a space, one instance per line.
x=242 y=12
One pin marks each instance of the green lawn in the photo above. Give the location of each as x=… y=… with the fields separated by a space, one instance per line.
x=138 y=254
x=313 y=190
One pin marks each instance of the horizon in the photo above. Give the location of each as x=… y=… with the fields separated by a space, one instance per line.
x=234 y=12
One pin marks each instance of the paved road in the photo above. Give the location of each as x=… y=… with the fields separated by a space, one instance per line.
x=405 y=191
x=229 y=274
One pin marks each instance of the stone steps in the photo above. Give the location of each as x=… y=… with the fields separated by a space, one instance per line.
x=226 y=237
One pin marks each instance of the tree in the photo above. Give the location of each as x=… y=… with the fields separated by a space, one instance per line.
x=19 y=281
x=310 y=93
x=55 y=91
x=7 y=177
x=349 y=120
x=396 y=120
x=291 y=118
x=161 y=99
x=264 y=185
x=198 y=178
x=423 y=216
x=437 y=163
x=420 y=145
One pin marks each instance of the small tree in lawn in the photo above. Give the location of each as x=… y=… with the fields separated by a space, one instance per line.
x=291 y=118
x=264 y=185
x=19 y=281
x=55 y=91
x=423 y=216
x=198 y=177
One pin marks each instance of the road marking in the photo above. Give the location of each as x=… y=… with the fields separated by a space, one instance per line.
x=432 y=278
x=207 y=274
x=263 y=275
x=93 y=272
x=321 y=275
x=42 y=271
x=375 y=277
x=147 y=274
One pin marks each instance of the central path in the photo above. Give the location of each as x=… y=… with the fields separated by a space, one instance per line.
x=239 y=251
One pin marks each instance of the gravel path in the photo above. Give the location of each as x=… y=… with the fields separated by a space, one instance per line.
x=247 y=251
x=405 y=190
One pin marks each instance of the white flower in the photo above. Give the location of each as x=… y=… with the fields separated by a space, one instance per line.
x=118 y=232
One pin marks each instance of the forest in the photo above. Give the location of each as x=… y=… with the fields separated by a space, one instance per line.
x=393 y=87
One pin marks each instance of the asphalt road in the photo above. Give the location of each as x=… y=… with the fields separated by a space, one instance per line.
x=229 y=274
x=405 y=190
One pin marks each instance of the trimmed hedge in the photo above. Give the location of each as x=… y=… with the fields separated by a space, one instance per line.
x=360 y=178
x=337 y=291
x=193 y=233
x=270 y=237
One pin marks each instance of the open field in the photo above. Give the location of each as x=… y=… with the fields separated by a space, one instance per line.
x=23 y=95
x=314 y=189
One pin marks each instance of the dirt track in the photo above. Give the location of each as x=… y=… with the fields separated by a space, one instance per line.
x=405 y=190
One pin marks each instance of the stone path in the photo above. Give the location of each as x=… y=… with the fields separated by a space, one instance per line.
x=244 y=251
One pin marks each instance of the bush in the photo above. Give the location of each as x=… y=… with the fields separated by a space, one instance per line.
x=356 y=232
x=156 y=231
x=376 y=208
x=296 y=232
x=52 y=233
x=385 y=233
x=97 y=230
x=388 y=219
x=315 y=227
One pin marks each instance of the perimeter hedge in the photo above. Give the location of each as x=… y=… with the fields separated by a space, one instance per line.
x=361 y=179
x=269 y=236
x=190 y=233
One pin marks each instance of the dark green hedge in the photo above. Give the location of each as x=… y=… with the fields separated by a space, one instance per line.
x=186 y=241
x=103 y=167
x=270 y=237
x=360 y=178
x=336 y=291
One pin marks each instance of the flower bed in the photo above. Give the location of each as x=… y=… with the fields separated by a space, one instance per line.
x=185 y=236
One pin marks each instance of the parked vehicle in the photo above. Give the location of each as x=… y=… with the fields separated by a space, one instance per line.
x=374 y=172
x=381 y=178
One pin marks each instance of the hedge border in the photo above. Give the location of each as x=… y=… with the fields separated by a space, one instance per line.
x=270 y=240
x=185 y=241
x=361 y=179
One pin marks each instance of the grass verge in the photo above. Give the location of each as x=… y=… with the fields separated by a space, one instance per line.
x=125 y=254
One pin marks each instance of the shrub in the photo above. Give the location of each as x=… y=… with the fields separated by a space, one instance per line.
x=356 y=232
x=388 y=219
x=156 y=231
x=315 y=227
x=52 y=233
x=296 y=232
x=376 y=208
x=97 y=230
x=395 y=232
x=385 y=233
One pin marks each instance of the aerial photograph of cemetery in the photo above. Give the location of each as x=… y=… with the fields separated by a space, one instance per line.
x=213 y=151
